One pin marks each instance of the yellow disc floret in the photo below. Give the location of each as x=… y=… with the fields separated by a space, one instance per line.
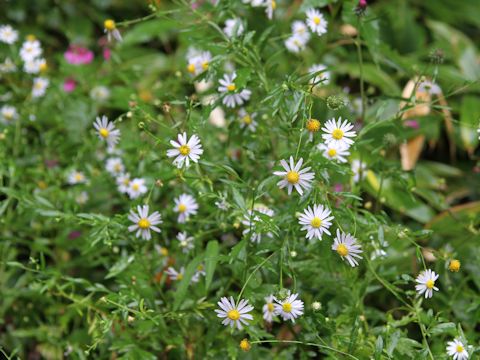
x=316 y=222
x=337 y=134
x=430 y=284
x=184 y=150
x=342 y=250
x=144 y=223
x=245 y=345
x=459 y=348
x=231 y=87
x=233 y=314
x=191 y=68
x=109 y=24
x=454 y=265
x=316 y=20
x=332 y=152
x=104 y=132
x=182 y=208
x=313 y=125
x=287 y=307
x=270 y=307
x=293 y=177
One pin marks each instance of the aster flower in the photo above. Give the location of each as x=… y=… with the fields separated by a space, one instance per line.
x=198 y=62
x=457 y=350
x=185 y=205
x=313 y=126
x=294 y=176
x=334 y=151
x=143 y=223
x=185 y=242
x=300 y=30
x=136 y=187
x=338 y=132
x=76 y=177
x=7 y=66
x=34 y=66
x=40 y=85
x=250 y=222
x=316 y=22
x=8 y=114
x=232 y=314
x=429 y=87
x=184 y=150
x=316 y=221
x=233 y=28
x=200 y=271
x=322 y=78
x=270 y=5
x=115 y=166
x=346 y=246
x=8 y=34
x=232 y=96
x=247 y=120
x=123 y=182
x=106 y=130
x=359 y=170
x=426 y=283
x=175 y=275
x=296 y=43
x=269 y=309
x=100 y=93
x=110 y=28
x=290 y=308
x=30 y=49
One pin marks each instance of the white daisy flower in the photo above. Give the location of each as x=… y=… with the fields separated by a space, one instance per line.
x=175 y=275
x=233 y=28
x=247 y=120
x=199 y=272
x=185 y=150
x=185 y=205
x=322 y=78
x=110 y=28
x=233 y=97
x=199 y=63
x=300 y=30
x=34 y=66
x=294 y=176
x=136 y=187
x=346 y=246
x=76 y=177
x=296 y=43
x=8 y=114
x=7 y=66
x=338 y=132
x=40 y=85
x=359 y=170
x=334 y=151
x=429 y=87
x=106 y=130
x=270 y=5
x=426 y=283
x=143 y=223
x=82 y=198
x=185 y=242
x=30 y=49
x=254 y=3
x=8 y=34
x=457 y=350
x=316 y=22
x=123 y=182
x=250 y=222
x=100 y=93
x=290 y=308
x=115 y=166
x=316 y=221
x=269 y=309
x=234 y=315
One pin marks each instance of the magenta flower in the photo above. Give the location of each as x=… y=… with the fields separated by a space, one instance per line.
x=78 y=55
x=69 y=85
x=412 y=124
x=107 y=53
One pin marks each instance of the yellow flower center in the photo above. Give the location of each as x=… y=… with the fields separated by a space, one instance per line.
x=233 y=314
x=38 y=85
x=287 y=307
x=342 y=250
x=270 y=307
x=231 y=87
x=182 y=208
x=109 y=24
x=430 y=284
x=43 y=67
x=247 y=119
x=184 y=150
x=205 y=65
x=117 y=167
x=31 y=37
x=316 y=20
x=164 y=251
x=191 y=68
x=337 y=134
x=274 y=4
x=135 y=187
x=459 y=348
x=104 y=132
x=126 y=181
x=78 y=177
x=200 y=267
x=332 y=152
x=313 y=125
x=8 y=115
x=316 y=222
x=179 y=276
x=293 y=177
x=454 y=265
x=245 y=345
x=144 y=223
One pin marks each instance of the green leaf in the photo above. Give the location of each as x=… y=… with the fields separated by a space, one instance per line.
x=211 y=259
x=469 y=122
x=120 y=266
x=185 y=282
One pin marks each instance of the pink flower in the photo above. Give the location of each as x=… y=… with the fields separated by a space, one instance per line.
x=362 y=3
x=107 y=53
x=78 y=55
x=69 y=85
x=412 y=124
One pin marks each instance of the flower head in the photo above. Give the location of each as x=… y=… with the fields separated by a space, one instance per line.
x=8 y=34
x=115 y=166
x=289 y=308
x=110 y=28
x=334 y=151
x=232 y=96
x=338 y=132
x=175 y=275
x=294 y=176
x=346 y=246
x=30 y=49
x=40 y=85
x=426 y=283
x=269 y=309
x=8 y=114
x=76 y=177
x=316 y=221
x=198 y=62
x=247 y=120
x=106 y=130
x=78 y=55
x=454 y=265
x=296 y=43
x=457 y=350
x=136 y=187
x=316 y=22
x=251 y=220
x=323 y=78
x=123 y=182
x=143 y=223
x=233 y=27
x=185 y=205
x=233 y=314
x=185 y=242
x=184 y=150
